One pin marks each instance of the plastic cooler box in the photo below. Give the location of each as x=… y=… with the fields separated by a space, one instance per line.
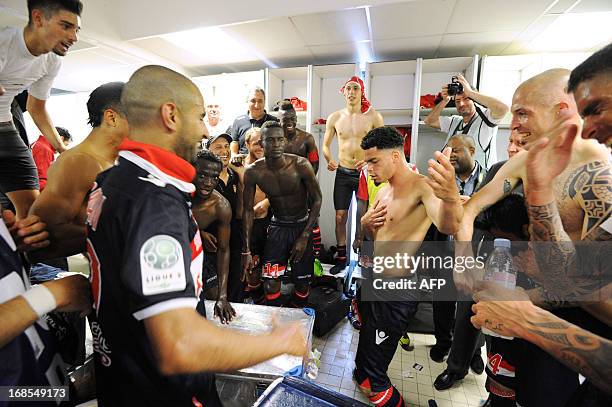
x=293 y=392
x=242 y=388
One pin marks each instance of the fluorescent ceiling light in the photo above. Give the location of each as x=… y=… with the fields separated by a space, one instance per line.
x=573 y=32
x=212 y=45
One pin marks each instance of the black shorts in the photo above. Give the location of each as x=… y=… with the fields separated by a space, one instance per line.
x=383 y=324
x=279 y=242
x=346 y=182
x=209 y=271
x=258 y=239
x=17 y=168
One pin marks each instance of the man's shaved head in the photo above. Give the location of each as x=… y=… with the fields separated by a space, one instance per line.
x=540 y=101
x=152 y=86
x=547 y=88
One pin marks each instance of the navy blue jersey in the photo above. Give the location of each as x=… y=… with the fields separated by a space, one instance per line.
x=146 y=256
x=31 y=358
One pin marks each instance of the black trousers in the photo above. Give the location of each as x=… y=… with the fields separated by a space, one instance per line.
x=452 y=326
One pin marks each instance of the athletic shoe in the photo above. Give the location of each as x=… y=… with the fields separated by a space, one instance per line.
x=405 y=343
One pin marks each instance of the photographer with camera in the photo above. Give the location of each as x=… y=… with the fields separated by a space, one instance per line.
x=479 y=123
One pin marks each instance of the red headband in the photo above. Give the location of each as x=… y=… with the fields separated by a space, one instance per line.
x=365 y=104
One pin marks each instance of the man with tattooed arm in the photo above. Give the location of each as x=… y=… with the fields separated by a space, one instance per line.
x=540 y=107
x=581 y=350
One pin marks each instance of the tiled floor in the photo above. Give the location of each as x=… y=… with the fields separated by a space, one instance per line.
x=338 y=350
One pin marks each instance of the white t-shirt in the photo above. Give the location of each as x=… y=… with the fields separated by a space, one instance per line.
x=221 y=127
x=483 y=135
x=20 y=70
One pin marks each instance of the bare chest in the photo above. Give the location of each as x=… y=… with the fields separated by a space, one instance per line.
x=405 y=214
x=353 y=126
x=296 y=146
x=279 y=183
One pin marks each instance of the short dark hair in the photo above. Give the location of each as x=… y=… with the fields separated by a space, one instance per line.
x=509 y=215
x=285 y=105
x=50 y=7
x=207 y=155
x=466 y=139
x=269 y=125
x=255 y=89
x=385 y=137
x=65 y=134
x=599 y=62
x=107 y=96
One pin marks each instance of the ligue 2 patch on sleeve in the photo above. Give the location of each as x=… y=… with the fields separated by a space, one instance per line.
x=162 y=266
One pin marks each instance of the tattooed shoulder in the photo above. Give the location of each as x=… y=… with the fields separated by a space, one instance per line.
x=591 y=186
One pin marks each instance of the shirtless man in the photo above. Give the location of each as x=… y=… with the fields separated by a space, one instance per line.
x=299 y=142
x=210 y=206
x=62 y=204
x=254 y=287
x=351 y=124
x=541 y=107
x=303 y=144
x=295 y=198
x=402 y=212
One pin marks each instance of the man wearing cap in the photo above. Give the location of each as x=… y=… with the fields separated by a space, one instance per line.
x=63 y=203
x=350 y=124
x=230 y=186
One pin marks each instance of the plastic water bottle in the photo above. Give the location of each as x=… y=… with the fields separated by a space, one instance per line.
x=500 y=270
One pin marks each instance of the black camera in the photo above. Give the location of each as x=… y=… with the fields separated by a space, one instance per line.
x=455 y=87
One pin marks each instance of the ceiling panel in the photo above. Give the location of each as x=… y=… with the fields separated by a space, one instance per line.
x=413 y=19
x=297 y=52
x=472 y=16
x=406 y=48
x=343 y=50
x=268 y=35
x=335 y=71
x=561 y=6
x=489 y=43
x=291 y=74
x=521 y=42
x=588 y=6
x=333 y=27
x=392 y=68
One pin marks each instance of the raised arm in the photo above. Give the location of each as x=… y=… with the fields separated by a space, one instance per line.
x=440 y=194
x=433 y=118
x=498 y=188
x=497 y=107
